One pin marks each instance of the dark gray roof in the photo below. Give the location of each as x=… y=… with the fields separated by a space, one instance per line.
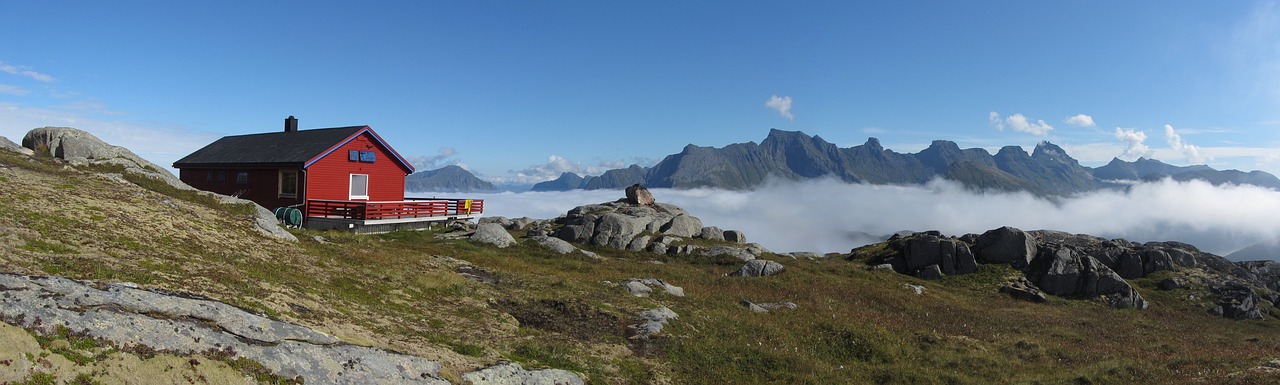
x=270 y=149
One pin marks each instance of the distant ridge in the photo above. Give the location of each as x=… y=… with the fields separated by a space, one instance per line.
x=446 y=179
x=1047 y=170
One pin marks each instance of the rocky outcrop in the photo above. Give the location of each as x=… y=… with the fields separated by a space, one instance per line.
x=931 y=252
x=1237 y=301
x=1057 y=266
x=622 y=225
x=1265 y=272
x=758 y=268
x=493 y=234
x=511 y=373
x=1061 y=270
x=186 y=323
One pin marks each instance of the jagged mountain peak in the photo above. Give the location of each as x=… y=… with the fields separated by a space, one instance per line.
x=874 y=144
x=1048 y=148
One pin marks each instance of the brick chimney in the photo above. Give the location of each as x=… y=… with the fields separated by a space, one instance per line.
x=291 y=124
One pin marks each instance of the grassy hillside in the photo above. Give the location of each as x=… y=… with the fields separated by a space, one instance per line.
x=403 y=291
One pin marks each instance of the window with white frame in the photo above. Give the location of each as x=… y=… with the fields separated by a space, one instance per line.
x=288 y=183
x=359 y=186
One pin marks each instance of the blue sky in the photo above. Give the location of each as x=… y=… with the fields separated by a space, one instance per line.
x=521 y=91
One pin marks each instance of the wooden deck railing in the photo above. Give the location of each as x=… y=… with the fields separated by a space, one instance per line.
x=408 y=209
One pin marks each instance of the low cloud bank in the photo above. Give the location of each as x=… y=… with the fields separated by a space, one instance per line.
x=832 y=216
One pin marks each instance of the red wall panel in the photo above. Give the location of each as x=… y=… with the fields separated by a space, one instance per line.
x=330 y=177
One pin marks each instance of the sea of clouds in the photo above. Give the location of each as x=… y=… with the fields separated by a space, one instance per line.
x=833 y=216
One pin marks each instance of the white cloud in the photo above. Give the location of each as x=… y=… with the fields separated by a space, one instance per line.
x=13 y=90
x=782 y=105
x=432 y=162
x=1134 y=140
x=993 y=118
x=557 y=165
x=1019 y=123
x=23 y=71
x=1194 y=212
x=1192 y=153
x=1080 y=120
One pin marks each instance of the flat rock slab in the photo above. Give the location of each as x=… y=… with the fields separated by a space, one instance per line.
x=185 y=323
x=511 y=373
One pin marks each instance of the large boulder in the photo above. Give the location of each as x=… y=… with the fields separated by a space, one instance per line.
x=494 y=234
x=638 y=195
x=616 y=229
x=711 y=233
x=735 y=236
x=1006 y=245
x=683 y=226
x=951 y=256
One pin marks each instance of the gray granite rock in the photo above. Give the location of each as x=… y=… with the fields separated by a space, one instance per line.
x=494 y=234
x=652 y=321
x=758 y=268
x=642 y=287
x=186 y=323
x=6 y=144
x=555 y=244
x=511 y=373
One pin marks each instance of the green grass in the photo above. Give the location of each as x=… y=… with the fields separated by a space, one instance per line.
x=39 y=379
x=43 y=246
x=78 y=348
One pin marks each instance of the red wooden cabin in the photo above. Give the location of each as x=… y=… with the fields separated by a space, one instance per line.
x=348 y=174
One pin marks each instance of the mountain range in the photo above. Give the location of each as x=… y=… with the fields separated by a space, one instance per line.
x=1048 y=170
